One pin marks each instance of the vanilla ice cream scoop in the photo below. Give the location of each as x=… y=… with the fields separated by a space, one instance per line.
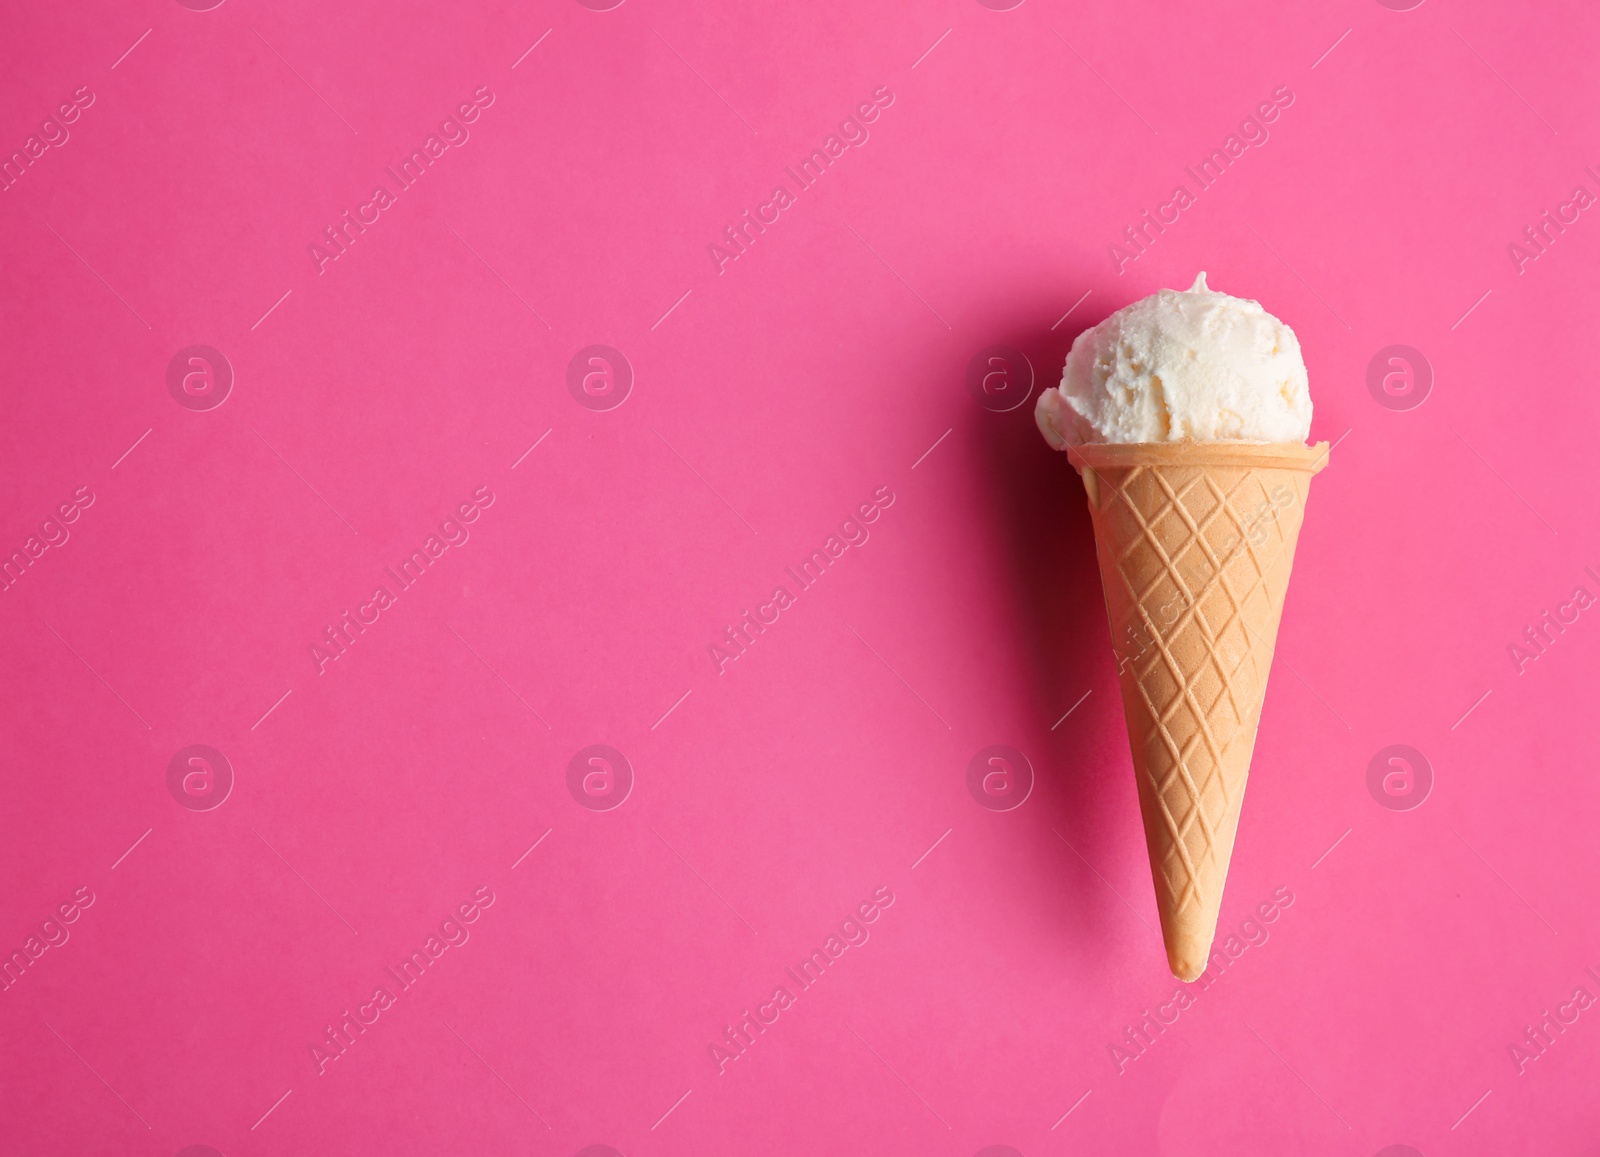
x=1178 y=366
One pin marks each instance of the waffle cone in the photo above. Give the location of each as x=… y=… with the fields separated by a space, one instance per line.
x=1196 y=542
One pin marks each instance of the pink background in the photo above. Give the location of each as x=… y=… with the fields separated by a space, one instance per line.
x=772 y=798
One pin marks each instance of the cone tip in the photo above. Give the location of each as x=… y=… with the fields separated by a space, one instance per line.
x=1186 y=971
x=1188 y=958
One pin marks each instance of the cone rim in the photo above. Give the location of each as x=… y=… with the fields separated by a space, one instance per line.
x=1269 y=455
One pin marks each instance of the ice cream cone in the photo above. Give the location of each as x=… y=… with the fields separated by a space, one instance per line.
x=1196 y=541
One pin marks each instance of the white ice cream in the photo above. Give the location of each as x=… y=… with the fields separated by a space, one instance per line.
x=1181 y=366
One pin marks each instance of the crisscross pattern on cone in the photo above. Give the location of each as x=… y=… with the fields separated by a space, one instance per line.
x=1196 y=542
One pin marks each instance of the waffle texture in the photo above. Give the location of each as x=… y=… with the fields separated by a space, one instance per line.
x=1196 y=543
